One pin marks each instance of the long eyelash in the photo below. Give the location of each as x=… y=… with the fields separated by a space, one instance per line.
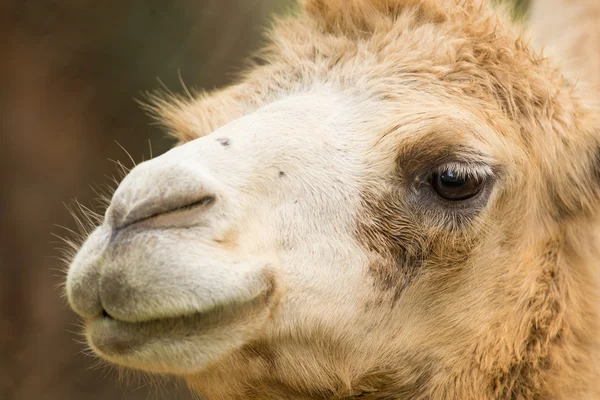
x=478 y=171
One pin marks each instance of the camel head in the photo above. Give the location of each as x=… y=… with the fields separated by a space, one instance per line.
x=398 y=202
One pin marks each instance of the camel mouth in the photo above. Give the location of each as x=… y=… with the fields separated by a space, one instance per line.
x=150 y=300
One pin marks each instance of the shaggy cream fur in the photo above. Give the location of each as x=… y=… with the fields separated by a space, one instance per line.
x=297 y=244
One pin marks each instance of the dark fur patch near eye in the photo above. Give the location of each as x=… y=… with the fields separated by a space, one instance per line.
x=403 y=243
x=395 y=241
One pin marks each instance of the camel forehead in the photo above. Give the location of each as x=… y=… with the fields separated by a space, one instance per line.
x=416 y=125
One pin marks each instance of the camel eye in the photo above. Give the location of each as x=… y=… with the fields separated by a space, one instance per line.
x=453 y=185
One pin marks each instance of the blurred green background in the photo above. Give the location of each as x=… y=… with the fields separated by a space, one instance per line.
x=68 y=78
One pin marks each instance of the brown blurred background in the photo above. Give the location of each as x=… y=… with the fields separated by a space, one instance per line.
x=69 y=73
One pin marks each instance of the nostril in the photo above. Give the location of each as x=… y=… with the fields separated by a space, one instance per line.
x=206 y=200
x=157 y=211
x=158 y=187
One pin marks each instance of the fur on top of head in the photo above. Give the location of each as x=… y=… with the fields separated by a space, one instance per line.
x=359 y=16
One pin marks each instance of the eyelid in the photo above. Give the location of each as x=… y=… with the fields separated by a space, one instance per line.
x=479 y=171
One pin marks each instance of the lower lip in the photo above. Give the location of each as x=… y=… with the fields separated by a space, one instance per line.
x=118 y=338
x=110 y=336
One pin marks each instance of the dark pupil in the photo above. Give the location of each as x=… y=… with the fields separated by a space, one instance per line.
x=452 y=186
